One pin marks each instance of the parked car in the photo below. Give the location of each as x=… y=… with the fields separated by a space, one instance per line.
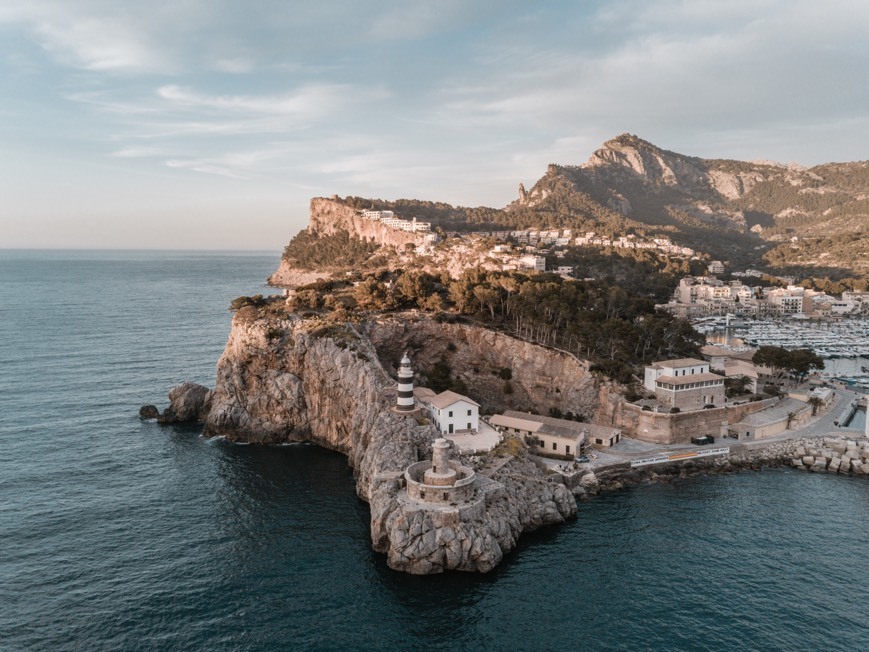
x=582 y=459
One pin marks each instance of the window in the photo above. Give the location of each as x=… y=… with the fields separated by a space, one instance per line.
x=469 y=413
x=554 y=446
x=567 y=450
x=469 y=426
x=451 y=413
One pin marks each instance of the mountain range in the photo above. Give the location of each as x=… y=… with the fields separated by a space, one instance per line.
x=783 y=218
x=735 y=210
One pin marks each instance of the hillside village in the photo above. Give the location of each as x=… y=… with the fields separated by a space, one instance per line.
x=720 y=394
x=708 y=295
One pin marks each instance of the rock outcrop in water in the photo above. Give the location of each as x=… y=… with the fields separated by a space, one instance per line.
x=188 y=402
x=289 y=379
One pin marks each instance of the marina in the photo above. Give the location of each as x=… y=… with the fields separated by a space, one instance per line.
x=844 y=344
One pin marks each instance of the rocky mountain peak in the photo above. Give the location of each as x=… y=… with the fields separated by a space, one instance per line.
x=628 y=157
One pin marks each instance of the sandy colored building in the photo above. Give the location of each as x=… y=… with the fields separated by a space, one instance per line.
x=552 y=436
x=686 y=383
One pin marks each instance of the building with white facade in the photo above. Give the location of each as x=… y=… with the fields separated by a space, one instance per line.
x=451 y=412
x=686 y=384
x=536 y=263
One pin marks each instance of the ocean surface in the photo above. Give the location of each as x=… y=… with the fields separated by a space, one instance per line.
x=117 y=534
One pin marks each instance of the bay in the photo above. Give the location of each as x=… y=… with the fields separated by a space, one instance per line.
x=118 y=534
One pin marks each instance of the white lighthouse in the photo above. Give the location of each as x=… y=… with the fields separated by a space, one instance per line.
x=405 y=386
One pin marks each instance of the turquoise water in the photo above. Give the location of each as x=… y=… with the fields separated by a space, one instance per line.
x=117 y=534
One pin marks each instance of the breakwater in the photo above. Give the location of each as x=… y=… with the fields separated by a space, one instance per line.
x=831 y=454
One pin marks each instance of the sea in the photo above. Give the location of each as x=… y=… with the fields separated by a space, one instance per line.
x=120 y=534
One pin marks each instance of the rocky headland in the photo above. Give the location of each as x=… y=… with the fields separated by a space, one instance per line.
x=318 y=364
x=291 y=379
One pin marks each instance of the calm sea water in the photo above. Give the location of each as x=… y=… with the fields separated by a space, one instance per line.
x=122 y=535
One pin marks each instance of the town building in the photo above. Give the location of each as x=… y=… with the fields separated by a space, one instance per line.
x=451 y=412
x=686 y=384
x=531 y=262
x=552 y=436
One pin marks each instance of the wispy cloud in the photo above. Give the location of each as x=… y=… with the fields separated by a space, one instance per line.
x=84 y=35
x=315 y=99
x=138 y=152
x=205 y=167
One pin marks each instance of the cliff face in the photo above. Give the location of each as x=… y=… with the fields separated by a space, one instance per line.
x=331 y=216
x=291 y=380
x=328 y=216
x=540 y=379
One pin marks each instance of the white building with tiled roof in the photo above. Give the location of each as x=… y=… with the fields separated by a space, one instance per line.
x=451 y=412
x=686 y=383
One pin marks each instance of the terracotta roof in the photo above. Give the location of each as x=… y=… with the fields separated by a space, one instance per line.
x=678 y=364
x=422 y=392
x=537 y=423
x=447 y=398
x=740 y=368
x=515 y=423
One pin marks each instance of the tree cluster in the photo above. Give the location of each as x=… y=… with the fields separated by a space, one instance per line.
x=606 y=323
x=321 y=252
x=796 y=362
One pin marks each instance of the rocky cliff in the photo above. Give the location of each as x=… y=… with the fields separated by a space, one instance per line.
x=329 y=217
x=503 y=372
x=287 y=379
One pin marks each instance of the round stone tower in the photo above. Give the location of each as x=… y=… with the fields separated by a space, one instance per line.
x=440 y=474
x=405 y=386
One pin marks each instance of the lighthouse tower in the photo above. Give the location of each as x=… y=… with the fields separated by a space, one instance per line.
x=405 y=386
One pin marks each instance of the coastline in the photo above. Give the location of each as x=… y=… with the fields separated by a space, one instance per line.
x=816 y=454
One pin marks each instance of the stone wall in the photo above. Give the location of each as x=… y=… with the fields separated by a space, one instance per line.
x=837 y=454
x=461 y=491
x=668 y=428
x=832 y=455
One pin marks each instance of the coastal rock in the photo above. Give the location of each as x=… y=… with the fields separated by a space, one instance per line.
x=148 y=412
x=322 y=382
x=188 y=402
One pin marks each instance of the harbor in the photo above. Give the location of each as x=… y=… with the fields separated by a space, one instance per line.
x=843 y=344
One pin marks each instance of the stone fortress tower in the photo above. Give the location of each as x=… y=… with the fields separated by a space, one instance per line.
x=405 y=386
x=442 y=480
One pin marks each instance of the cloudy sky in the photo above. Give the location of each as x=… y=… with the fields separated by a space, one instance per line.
x=210 y=123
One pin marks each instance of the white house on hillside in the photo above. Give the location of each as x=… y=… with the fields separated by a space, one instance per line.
x=451 y=412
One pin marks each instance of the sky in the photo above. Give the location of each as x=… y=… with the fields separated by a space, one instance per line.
x=209 y=124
